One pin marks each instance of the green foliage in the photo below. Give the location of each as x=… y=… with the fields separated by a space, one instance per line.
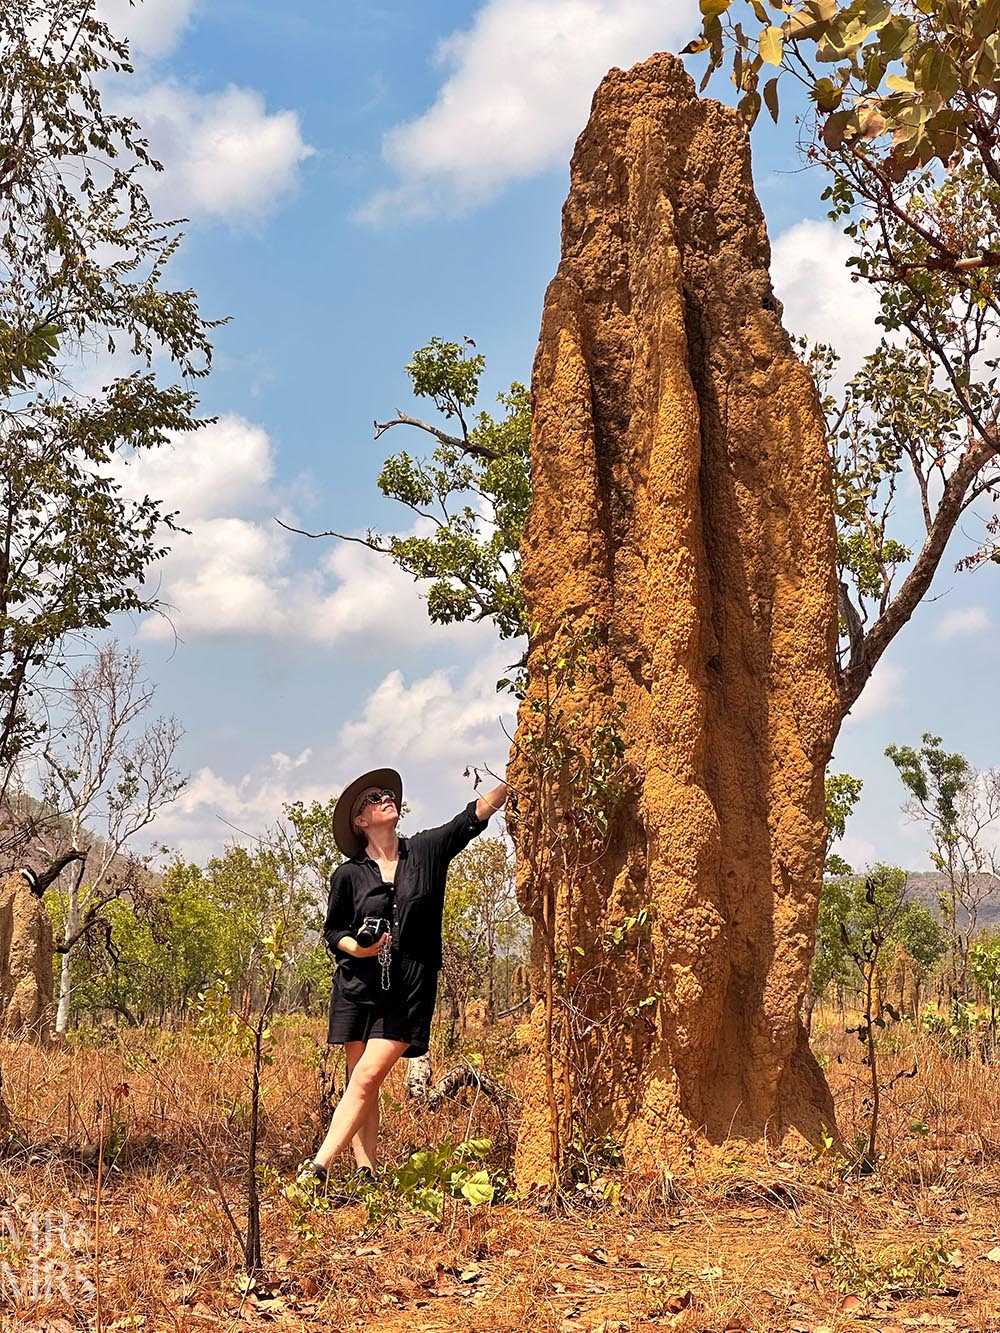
x=913 y=90
x=473 y=489
x=958 y=807
x=205 y=940
x=484 y=932
x=82 y=265
x=918 y=73
x=312 y=847
x=936 y=781
x=427 y=1179
x=984 y=967
x=854 y=909
x=918 y=1271
x=842 y=793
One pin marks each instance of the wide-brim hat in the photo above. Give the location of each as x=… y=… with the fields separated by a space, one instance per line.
x=344 y=834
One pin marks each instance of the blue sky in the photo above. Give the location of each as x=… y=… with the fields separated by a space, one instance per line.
x=358 y=178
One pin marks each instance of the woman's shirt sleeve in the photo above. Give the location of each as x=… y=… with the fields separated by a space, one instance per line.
x=339 y=908
x=449 y=839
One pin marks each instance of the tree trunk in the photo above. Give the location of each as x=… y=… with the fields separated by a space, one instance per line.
x=73 y=919
x=681 y=531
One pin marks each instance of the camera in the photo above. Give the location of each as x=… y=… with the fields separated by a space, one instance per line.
x=371 y=931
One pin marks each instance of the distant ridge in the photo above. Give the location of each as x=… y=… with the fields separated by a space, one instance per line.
x=930 y=884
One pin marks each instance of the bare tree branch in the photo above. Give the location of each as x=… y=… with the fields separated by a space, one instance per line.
x=457 y=441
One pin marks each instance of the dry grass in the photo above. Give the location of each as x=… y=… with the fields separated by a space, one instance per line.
x=748 y=1240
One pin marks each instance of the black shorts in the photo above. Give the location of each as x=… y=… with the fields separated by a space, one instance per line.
x=361 y=1009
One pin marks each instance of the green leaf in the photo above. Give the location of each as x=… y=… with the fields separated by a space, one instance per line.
x=771 y=45
x=478 y=1189
x=749 y=107
x=934 y=72
x=826 y=94
x=712 y=9
x=896 y=37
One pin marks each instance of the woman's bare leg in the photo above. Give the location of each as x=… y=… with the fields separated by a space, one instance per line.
x=360 y=1096
x=365 y=1141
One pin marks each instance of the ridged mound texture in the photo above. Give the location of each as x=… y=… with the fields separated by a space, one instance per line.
x=26 y=953
x=683 y=508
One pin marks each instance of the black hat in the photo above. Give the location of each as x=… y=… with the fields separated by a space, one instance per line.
x=344 y=834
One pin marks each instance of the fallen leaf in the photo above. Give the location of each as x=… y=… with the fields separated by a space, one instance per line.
x=679 y=1301
x=851 y=1303
x=993 y=1255
x=710 y=1274
x=472 y=1274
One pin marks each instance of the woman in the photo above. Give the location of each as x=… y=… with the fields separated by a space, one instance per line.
x=384 y=990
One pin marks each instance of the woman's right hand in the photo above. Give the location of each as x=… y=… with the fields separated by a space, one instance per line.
x=350 y=946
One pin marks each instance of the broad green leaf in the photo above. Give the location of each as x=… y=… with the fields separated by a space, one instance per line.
x=826 y=94
x=936 y=73
x=772 y=41
x=896 y=37
x=713 y=8
x=986 y=19
x=696 y=46
x=749 y=107
x=899 y=83
x=987 y=62
x=842 y=40
x=478 y=1189
x=877 y=13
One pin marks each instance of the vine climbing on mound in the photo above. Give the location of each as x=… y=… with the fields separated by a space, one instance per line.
x=575 y=777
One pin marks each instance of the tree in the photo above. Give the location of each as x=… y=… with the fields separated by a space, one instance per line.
x=913 y=944
x=82 y=269
x=484 y=930
x=913 y=85
x=959 y=808
x=499 y=925
x=473 y=492
x=842 y=793
x=108 y=772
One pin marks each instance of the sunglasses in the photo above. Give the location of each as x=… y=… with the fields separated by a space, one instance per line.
x=376 y=798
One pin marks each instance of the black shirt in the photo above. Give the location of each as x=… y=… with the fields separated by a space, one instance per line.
x=357 y=889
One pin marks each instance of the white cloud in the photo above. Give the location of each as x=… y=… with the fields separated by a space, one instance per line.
x=434 y=721
x=967 y=620
x=431 y=728
x=236 y=572
x=882 y=692
x=517 y=92
x=857 y=852
x=812 y=281
x=223 y=468
x=225 y=155
x=153 y=27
